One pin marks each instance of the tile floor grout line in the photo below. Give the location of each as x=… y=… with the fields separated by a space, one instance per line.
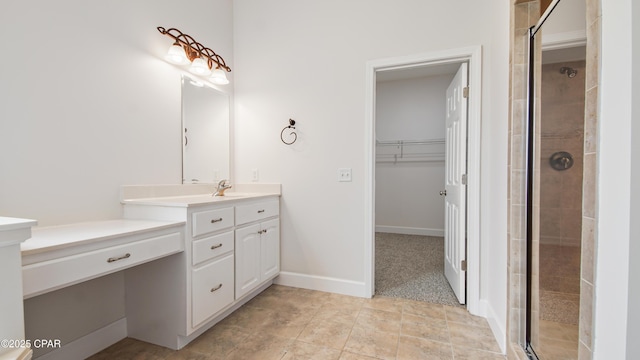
x=364 y=308
x=351 y=329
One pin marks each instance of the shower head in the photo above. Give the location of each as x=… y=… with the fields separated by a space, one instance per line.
x=571 y=72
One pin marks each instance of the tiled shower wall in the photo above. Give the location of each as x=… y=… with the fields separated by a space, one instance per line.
x=523 y=15
x=562 y=131
x=589 y=206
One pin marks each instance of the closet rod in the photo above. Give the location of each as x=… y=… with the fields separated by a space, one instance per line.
x=409 y=142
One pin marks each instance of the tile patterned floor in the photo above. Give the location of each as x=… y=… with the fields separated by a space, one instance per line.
x=285 y=323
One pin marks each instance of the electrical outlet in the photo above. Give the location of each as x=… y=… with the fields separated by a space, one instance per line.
x=344 y=174
x=255 y=175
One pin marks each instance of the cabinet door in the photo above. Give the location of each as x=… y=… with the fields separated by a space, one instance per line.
x=270 y=248
x=212 y=289
x=247 y=259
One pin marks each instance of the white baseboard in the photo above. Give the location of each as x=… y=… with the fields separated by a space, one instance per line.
x=409 y=230
x=497 y=328
x=322 y=283
x=91 y=343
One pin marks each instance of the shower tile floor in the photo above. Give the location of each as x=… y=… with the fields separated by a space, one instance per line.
x=559 y=302
x=285 y=323
x=558 y=341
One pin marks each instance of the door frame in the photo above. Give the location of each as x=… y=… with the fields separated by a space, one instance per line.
x=472 y=55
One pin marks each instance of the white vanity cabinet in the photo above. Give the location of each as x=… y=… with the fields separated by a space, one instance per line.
x=257 y=255
x=257 y=249
x=212 y=259
x=228 y=242
x=257 y=244
x=211 y=289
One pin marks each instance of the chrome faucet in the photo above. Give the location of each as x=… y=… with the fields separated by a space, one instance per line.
x=222 y=186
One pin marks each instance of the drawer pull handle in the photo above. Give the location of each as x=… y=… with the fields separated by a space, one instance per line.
x=216 y=288
x=262 y=231
x=113 y=259
x=213 y=221
x=213 y=247
x=260 y=211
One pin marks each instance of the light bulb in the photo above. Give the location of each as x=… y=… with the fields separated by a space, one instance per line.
x=199 y=67
x=219 y=77
x=176 y=55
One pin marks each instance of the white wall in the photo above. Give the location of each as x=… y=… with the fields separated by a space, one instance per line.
x=407 y=193
x=493 y=211
x=88 y=104
x=615 y=194
x=411 y=109
x=568 y=17
x=307 y=60
x=633 y=323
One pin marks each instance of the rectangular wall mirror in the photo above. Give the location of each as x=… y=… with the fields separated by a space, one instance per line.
x=205 y=137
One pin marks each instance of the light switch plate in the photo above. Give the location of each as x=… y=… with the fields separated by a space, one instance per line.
x=344 y=174
x=255 y=175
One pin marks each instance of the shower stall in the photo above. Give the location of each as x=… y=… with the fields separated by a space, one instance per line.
x=556 y=253
x=552 y=187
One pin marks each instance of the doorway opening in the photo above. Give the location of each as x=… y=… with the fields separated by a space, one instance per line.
x=410 y=183
x=407 y=155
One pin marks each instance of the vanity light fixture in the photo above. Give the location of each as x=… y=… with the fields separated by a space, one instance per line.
x=204 y=61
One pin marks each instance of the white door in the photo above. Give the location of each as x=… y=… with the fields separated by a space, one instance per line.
x=455 y=189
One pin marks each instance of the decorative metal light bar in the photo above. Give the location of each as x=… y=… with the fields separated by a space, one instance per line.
x=204 y=61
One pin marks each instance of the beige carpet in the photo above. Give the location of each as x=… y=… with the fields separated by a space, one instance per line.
x=412 y=267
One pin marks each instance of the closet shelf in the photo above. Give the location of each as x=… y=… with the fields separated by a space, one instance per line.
x=410 y=151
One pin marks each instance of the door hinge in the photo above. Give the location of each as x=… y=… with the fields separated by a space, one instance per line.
x=464 y=179
x=465 y=92
x=463 y=265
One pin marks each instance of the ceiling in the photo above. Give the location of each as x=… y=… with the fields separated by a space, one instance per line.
x=563 y=55
x=416 y=72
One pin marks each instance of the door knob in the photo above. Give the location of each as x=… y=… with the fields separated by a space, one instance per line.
x=443 y=193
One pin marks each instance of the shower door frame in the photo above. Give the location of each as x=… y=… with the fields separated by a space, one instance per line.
x=531 y=151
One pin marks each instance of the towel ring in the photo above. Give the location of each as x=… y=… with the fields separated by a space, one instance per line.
x=293 y=133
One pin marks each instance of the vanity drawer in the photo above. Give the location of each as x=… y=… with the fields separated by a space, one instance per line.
x=211 y=289
x=53 y=274
x=211 y=220
x=210 y=247
x=257 y=211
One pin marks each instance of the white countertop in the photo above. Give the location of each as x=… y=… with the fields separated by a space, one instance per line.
x=52 y=238
x=14 y=230
x=197 y=200
x=9 y=223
